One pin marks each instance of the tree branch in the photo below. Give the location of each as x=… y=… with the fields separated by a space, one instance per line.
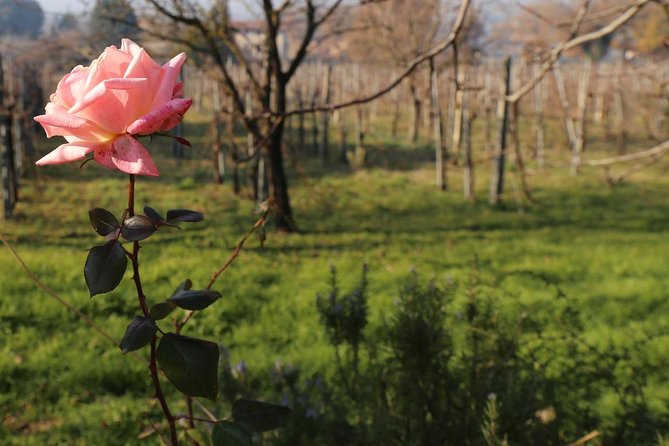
x=575 y=41
x=411 y=67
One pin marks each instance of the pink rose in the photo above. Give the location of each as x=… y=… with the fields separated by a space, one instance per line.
x=102 y=107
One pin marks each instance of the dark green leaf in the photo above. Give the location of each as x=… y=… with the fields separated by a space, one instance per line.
x=256 y=416
x=153 y=215
x=161 y=310
x=190 y=364
x=139 y=333
x=186 y=215
x=195 y=299
x=229 y=433
x=185 y=285
x=105 y=266
x=103 y=221
x=137 y=228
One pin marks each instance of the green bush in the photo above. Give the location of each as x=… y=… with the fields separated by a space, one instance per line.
x=460 y=365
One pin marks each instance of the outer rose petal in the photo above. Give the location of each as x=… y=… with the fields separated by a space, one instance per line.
x=112 y=63
x=64 y=124
x=171 y=69
x=71 y=87
x=142 y=66
x=66 y=153
x=164 y=118
x=126 y=154
x=130 y=47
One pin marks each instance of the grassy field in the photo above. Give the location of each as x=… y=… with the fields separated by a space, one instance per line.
x=61 y=383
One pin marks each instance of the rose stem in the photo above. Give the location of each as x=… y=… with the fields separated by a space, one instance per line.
x=142 y=304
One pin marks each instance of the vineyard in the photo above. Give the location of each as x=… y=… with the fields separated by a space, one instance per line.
x=459 y=247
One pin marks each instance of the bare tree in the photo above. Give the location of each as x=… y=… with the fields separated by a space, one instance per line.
x=267 y=65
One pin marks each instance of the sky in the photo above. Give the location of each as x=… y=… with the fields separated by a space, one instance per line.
x=57 y=7
x=62 y=6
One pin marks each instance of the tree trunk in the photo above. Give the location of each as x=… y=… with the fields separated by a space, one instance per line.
x=497 y=183
x=283 y=215
x=437 y=126
x=416 y=106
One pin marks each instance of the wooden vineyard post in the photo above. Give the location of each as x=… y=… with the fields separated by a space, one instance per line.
x=7 y=171
x=314 y=102
x=427 y=120
x=251 y=152
x=232 y=146
x=488 y=107
x=301 y=135
x=619 y=108
x=177 y=148
x=395 y=97
x=497 y=183
x=359 y=151
x=456 y=142
x=416 y=106
x=325 y=115
x=600 y=90
x=539 y=116
x=564 y=103
x=440 y=159
x=7 y=161
x=341 y=115
x=579 y=143
x=467 y=119
x=218 y=153
x=518 y=153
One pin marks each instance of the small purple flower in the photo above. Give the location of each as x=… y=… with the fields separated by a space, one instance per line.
x=241 y=367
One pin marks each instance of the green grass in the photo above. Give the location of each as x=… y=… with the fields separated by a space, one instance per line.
x=61 y=383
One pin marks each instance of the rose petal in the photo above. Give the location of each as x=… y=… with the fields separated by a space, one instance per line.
x=66 y=153
x=104 y=87
x=163 y=118
x=65 y=124
x=142 y=66
x=112 y=63
x=126 y=154
x=130 y=47
x=53 y=108
x=178 y=91
x=109 y=105
x=63 y=120
x=71 y=87
x=171 y=73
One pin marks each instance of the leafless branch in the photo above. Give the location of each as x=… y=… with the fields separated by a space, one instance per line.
x=575 y=41
x=658 y=150
x=410 y=68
